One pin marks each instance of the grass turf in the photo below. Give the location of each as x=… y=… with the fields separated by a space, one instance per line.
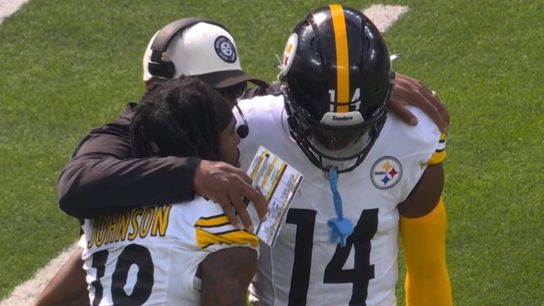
x=69 y=66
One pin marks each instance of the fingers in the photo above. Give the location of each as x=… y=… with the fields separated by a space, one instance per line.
x=234 y=205
x=398 y=101
x=257 y=198
x=411 y=91
x=400 y=110
x=434 y=109
x=229 y=186
x=238 y=173
x=229 y=210
x=240 y=207
x=442 y=109
x=243 y=192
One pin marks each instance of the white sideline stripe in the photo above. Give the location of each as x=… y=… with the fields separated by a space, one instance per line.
x=383 y=17
x=8 y=7
x=25 y=293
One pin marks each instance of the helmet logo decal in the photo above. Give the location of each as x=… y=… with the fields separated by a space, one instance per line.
x=288 y=54
x=225 y=49
x=342 y=60
x=386 y=172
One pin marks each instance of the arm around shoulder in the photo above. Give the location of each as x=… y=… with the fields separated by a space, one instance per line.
x=102 y=178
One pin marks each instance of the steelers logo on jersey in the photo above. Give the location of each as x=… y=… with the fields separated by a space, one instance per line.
x=386 y=172
x=225 y=49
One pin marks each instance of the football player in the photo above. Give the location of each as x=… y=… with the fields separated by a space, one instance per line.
x=166 y=254
x=101 y=173
x=103 y=178
x=368 y=176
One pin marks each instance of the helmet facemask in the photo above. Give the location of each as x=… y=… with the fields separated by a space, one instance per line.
x=337 y=81
x=338 y=144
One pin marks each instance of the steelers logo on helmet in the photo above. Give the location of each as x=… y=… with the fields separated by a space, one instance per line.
x=225 y=49
x=288 y=52
x=337 y=80
x=386 y=172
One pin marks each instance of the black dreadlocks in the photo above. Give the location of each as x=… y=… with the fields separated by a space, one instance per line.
x=183 y=117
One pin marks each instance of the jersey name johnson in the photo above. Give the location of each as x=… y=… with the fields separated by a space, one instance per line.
x=149 y=256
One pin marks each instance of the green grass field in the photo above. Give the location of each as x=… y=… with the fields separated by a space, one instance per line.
x=68 y=66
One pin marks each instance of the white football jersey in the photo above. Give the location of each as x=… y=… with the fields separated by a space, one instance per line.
x=304 y=267
x=149 y=256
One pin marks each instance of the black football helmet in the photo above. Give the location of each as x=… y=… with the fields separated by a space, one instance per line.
x=337 y=79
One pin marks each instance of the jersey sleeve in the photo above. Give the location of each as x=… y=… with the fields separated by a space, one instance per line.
x=102 y=177
x=216 y=230
x=165 y=242
x=440 y=153
x=206 y=228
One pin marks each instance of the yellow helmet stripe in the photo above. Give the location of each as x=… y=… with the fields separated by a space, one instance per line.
x=342 y=61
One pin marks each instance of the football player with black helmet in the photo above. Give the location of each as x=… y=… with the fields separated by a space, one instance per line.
x=103 y=161
x=368 y=176
x=336 y=90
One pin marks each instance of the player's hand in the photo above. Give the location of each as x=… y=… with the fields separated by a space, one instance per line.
x=228 y=186
x=409 y=91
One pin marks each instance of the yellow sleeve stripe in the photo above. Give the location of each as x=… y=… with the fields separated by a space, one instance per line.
x=213 y=221
x=440 y=153
x=437 y=158
x=235 y=237
x=441 y=142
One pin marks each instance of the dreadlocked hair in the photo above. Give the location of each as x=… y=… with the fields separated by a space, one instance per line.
x=183 y=117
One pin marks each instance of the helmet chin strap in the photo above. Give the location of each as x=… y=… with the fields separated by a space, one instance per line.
x=340 y=228
x=339 y=165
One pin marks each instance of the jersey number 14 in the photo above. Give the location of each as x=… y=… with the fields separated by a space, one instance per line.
x=359 y=275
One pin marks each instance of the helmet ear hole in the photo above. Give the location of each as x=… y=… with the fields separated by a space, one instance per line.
x=313 y=43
